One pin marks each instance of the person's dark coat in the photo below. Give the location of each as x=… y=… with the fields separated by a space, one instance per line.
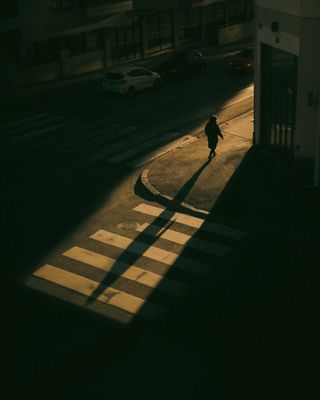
x=212 y=131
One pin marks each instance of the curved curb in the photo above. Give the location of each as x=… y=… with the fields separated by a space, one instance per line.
x=165 y=198
x=182 y=206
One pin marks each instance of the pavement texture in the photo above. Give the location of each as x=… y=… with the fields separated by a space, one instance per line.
x=244 y=185
x=249 y=329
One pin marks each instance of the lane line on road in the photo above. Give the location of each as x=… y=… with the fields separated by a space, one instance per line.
x=154 y=253
x=189 y=220
x=87 y=287
x=130 y=272
x=139 y=148
x=110 y=135
x=46 y=129
x=182 y=141
x=184 y=240
x=9 y=125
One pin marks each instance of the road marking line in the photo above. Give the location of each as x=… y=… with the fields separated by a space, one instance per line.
x=152 y=252
x=188 y=220
x=124 y=270
x=162 y=150
x=87 y=287
x=24 y=120
x=124 y=130
x=109 y=135
x=141 y=147
x=46 y=129
x=184 y=240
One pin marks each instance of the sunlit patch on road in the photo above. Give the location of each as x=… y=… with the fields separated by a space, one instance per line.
x=129 y=286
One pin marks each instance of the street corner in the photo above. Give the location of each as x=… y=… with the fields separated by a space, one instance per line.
x=186 y=176
x=169 y=173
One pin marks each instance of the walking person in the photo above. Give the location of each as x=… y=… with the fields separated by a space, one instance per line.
x=212 y=131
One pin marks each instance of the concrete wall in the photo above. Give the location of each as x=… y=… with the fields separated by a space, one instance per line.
x=299 y=28
x=308 y=81
x=83 y=63
x=291 y=7
x=286 y=39
x=42 y=73
x=236 y=32
x=33 y=16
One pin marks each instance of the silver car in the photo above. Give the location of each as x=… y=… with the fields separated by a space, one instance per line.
x=129 y=80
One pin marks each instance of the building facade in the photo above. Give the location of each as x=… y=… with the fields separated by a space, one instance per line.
x=287 y=79
x=45 y=40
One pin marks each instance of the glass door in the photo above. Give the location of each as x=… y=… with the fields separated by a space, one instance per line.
x=278 y=98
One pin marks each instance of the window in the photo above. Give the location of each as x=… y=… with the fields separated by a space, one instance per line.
x=250 y=5
x=76 y=44
x=125 y=41
x=278 y=97
x=220 y=12
x=63 y=4
x=94 y=40
x=189 y=25
x=139 y=72
x=114 y=76
x=8 y=9
x=83 y=42
x=215 y=18
x=153 y=31
x=236 y=10
x=39 y=53
x=144 y=72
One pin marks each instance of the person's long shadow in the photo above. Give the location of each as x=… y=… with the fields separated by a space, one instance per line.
x=160 y=223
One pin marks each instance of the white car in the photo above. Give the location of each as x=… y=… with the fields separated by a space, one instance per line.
x=129 y=80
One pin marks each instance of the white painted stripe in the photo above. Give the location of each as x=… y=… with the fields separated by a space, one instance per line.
x=87 y=287
x=141 y=140
x=108 y=130
x=109 y=134
x=47 y=129
x=70 y=296
x=35 y=125
x=124 y=130
x=162 y=150
x=124 y=270
x=184 y=240
x=188 y=220
x=141 y=147
x=152 y=252
x=83 y=129
x=12 y=124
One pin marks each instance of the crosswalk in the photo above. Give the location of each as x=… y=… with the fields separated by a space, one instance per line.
x=77 y=138
x=141 y=273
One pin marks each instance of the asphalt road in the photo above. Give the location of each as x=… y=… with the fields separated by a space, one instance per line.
x=66 y=174
x=72 y=209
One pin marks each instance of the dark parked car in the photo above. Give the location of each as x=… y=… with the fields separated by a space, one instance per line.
x=182 y=64
x=243 y=61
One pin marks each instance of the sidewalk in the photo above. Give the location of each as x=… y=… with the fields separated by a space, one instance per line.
x=243 y=185
x=248 y=329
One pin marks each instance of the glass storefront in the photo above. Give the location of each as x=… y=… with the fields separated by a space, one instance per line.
x=159 y=31
x=189 y=25
x=215 y=18
x=126 y=41
x=236 y=11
